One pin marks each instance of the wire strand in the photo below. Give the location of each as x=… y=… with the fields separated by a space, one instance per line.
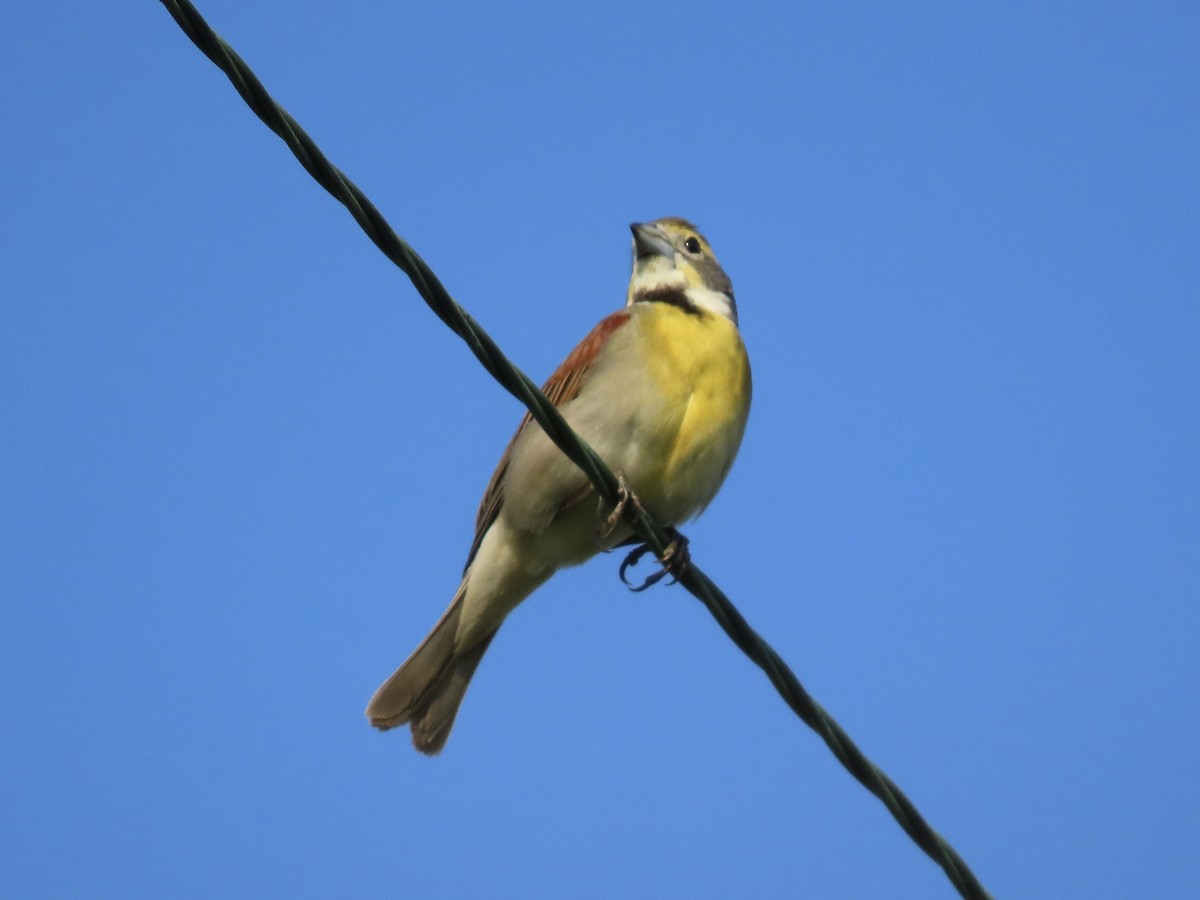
x=520 y=386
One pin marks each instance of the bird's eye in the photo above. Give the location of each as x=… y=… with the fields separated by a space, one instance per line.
x=692 y=245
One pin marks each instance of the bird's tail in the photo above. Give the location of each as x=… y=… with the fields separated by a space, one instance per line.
x=427 y=689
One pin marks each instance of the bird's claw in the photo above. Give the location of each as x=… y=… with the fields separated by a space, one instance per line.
x=673 y=562
x=627 y=508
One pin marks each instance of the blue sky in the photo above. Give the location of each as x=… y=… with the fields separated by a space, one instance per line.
x=240 y=460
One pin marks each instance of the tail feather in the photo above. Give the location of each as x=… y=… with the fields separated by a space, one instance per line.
x=429 y=686
x=434 y=716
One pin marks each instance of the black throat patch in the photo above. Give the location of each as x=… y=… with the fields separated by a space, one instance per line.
x=671 y=297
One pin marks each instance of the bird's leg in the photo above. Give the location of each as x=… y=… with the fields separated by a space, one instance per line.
x=674 y=560
x=628 y=507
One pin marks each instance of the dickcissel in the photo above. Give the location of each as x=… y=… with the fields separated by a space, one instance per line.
x=661 y=390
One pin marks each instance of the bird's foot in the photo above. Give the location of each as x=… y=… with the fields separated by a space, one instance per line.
x=674 y=561
x=627 y=509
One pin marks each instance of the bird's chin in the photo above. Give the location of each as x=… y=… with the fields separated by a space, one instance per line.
x=658 y=276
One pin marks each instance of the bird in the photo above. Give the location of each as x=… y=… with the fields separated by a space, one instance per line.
x=661 y=390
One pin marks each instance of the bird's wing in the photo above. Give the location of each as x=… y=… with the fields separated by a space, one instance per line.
x=563 y=386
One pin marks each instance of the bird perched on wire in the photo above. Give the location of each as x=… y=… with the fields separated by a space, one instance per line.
x=661 y=391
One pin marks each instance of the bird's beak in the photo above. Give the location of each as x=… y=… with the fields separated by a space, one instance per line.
x=648 y=240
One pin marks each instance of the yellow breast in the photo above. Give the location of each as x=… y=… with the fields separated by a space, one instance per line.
x=699 y=364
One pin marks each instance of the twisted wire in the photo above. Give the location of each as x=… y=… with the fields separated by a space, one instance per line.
x=577 y=450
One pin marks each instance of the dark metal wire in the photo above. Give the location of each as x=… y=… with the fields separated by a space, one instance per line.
x=520 y=386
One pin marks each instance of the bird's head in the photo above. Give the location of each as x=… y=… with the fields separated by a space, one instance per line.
x=673 y=263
